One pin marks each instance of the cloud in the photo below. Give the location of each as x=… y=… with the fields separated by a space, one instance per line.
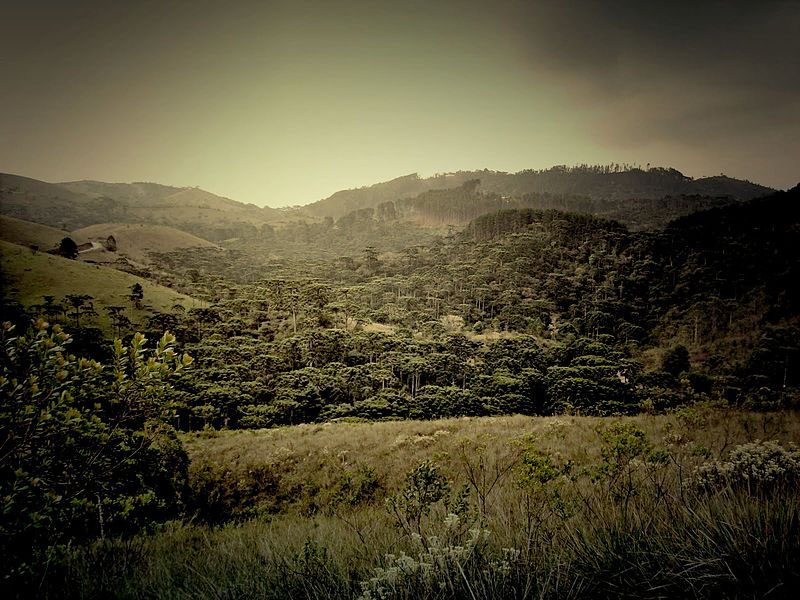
x=681 y=70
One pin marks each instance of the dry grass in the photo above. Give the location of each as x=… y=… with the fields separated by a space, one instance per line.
x=394 y=446
x=26 y=233
x=137 y=241
x=657 y=543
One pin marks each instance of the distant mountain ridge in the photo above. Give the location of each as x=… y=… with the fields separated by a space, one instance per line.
x=612 y=191
x=77 y=204
x=610 y=182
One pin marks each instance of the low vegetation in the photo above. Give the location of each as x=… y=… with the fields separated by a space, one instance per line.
x=517 y=507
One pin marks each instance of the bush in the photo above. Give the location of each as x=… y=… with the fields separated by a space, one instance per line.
x=757 y=467
x=86 y=451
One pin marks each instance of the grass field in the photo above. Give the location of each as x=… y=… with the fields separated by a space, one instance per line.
x=137 y=241
x=26 y=233
x=506 y=507
x=28 y=276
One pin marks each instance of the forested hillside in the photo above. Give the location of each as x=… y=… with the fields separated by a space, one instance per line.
x=609 y=183
x=526 y=310
x=456 y=304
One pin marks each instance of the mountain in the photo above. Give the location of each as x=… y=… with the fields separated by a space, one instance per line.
x=640 y=198
x=45 y=203
x=609 y=183
x=76 y=204
x=128 y=193
x=459 y=205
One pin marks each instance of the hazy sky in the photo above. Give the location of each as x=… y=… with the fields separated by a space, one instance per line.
x=282 y=103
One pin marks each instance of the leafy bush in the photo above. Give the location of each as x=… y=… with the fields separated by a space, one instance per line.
x=86 y=451
x=425 y=486
x=757 y=466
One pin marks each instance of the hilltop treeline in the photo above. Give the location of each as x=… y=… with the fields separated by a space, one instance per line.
x=610 y=183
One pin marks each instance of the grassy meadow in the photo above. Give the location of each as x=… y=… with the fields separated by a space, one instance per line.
x=28 y=276
x=135 y=241
x=700 y=503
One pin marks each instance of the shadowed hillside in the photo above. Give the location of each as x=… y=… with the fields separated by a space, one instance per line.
x=30 y=234
x=611 y=183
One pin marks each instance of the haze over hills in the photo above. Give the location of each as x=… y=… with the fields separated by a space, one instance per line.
x=612 y=182
x=77 y=204
x=613 y=191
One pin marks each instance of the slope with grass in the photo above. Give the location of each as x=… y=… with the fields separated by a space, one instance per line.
x=26 y=277
x=205 y=214
x=512 y=507
x=137 y=241
x=26 y=233
x=302 y=452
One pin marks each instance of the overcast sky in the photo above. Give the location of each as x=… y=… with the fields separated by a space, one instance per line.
x=282 y=103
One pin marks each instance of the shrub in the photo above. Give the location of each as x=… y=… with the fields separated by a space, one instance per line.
x=457 y=565
x=425 y=485
x=86 y=448
x=757 y=466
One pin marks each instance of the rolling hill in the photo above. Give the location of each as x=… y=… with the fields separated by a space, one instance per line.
x=26 y=277
x=136 y=241
x=459 y=205
x=77 y=204
x=614 y=191
x=26 y=233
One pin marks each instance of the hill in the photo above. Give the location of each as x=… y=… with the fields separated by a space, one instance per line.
x=77 y=204
x=45 y=203
x=30 y=234
x=136 y=241
x=460 y=205
x=127 y=193
x=27 y=277
x=609 y=183
x=612 y=191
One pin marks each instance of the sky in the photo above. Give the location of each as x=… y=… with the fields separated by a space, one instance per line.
x=283 y=103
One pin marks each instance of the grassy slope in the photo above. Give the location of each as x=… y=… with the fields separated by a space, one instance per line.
x=198 y=206
x=26 y=233
x=308 y=545
x=27 y=277
x=136 y=241
x=393 y=447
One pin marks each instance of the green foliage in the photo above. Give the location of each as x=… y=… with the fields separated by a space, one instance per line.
x=425 y=486
x=86 y=449
x=757 y=467
x=355 y=488
x=68 y=248
x=676 y=361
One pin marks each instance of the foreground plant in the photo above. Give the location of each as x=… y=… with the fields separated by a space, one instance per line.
x=85 y=451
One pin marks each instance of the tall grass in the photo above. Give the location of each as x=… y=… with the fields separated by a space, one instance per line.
x=574 y=508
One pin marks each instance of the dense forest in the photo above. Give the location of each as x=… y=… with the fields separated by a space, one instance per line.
x=524 y=311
